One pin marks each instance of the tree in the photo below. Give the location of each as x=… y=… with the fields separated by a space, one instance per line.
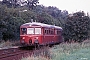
x=32 y=3
x=10 y=3
x=77 y=27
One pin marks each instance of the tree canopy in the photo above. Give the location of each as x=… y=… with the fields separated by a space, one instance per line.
x=77 y=27
x=14 y=13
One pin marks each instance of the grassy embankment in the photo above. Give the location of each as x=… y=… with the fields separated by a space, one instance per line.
x=8 y=44
x=64 y=51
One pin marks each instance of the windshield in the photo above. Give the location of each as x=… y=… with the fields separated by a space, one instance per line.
x=37 y=30
x=24 y=30
x=33 y=31
x=30 y=30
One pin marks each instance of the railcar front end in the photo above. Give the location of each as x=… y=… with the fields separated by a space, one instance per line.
x=30 y=35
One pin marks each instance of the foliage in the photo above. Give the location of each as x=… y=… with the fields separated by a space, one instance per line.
x=42 y=54
x=73 y=51
x=9 y=23
x=9 y=44
x=35 y=58
x=58 y=15
x=12 y=18
x=32 y=3
x=18 y=3
x=77 y=27
x=10 y=3
x=64 y=51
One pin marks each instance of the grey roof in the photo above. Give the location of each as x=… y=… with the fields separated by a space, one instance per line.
x=40 y=24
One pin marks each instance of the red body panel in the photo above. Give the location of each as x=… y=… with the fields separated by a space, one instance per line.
x=31 y=37
x=48 y=35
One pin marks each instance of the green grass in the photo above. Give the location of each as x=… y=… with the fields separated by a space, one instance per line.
x=5 y=44
x=64 y=51
x=74 y=51
x=8 y=44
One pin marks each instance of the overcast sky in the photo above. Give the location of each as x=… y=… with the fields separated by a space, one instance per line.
x=69 y=5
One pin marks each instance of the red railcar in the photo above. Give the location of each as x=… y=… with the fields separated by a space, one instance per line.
x=39 y=33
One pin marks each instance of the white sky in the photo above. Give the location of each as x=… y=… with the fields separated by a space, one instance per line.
x=69 y=5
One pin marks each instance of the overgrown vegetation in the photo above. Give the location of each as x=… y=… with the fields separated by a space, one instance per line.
x=8 y=44
x=76 y=26
x=64 y=51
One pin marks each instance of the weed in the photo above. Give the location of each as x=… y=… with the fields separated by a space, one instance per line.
x=64 y=51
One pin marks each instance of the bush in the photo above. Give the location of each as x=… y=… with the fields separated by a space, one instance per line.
x=77 y=27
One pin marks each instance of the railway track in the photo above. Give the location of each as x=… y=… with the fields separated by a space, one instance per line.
x=18 y=54
x=13 y=54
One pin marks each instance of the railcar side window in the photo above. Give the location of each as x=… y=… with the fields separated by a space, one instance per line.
x=24 y=30
x=30 y=30
x=52 y=32
x=45 y=31
x=58 y=32
x=49 y=32
x=37 y=30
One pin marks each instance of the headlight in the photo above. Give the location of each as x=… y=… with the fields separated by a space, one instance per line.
x=36 y=41
x=23 y=38
x=36 y=38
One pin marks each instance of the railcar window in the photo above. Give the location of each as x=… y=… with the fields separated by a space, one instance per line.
x=58 y=32
x=23 y=30
x=52 y=32
x=45 y=31
x=37 y=30
x=49 y=32
x=30 y=30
